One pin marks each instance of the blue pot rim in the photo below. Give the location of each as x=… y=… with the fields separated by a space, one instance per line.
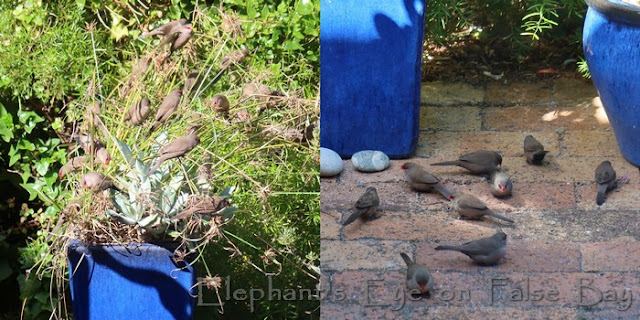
x=617 y=10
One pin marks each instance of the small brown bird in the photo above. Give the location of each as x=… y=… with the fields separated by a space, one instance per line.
x=87 y=142
x=606 y=180
x=167 y=108
x=103 y=155
x=193 y=81
x=207 y=206
x=177 y=148
x=421 y=180
x=533 y=150
x=473 y=208
x=96 y=181
x=169 y=30
x=184 y=35
x=74 y=164
x=478 y=162
x=220 y=104
x=138 y=70
x=418 y=276
x=234 y=57
x=138 y=111
x=366 y=207
x=501 y=184
x=257 y=91
x=485 y=251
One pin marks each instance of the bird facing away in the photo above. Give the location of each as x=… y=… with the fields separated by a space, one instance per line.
x=484 y=251
x=177 y=148
x=422 y=180
x=418 y=276
x=366 y=207
x=533 y=150
x=478 y=162
x=605 y=179
x=501 y=185
x=167 y=108
x=473 y=208
x=138 y=112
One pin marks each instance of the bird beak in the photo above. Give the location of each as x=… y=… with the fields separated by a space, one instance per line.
x=421 y=288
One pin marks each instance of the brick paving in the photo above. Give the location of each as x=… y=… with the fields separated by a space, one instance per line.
x=567 y=258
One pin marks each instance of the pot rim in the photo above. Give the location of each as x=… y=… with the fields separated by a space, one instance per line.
x=617 y=10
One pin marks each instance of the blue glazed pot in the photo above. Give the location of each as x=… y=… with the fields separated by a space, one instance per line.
x=371 y=55
x=611 y=43
x=138 y=281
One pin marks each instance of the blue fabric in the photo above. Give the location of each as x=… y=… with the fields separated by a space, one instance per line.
x=133 y=282
x=371 y=54
x=612 y=51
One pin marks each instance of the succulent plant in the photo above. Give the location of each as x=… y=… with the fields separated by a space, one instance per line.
x=152 y=201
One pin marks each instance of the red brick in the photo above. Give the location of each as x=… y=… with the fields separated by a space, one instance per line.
x=363 y=254
x=573 y=92
x=542 y=118
x=450 y=118
x=522 y=255
x=514 y=92
x=443 y=94
x=590 y=143
x=392 y=174
x=621 y=255
x=454 y=144
x=329 y=224
x=429 y=225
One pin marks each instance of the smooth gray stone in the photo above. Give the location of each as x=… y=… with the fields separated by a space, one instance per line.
x=370 y=160
x=330 y=163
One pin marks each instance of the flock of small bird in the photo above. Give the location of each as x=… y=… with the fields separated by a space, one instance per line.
x=484 y=251
x=176 y=33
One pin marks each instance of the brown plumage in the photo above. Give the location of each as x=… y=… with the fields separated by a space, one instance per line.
x=220 y=104
x=167 y=108
x=471 y=207
x=234 y=57
x=419 y=278
x=533 y=150
x=605 y=179
x=484 y=251
x=421 y=180
x=96 y=181
x=177 y=148
x=138 y=112
x=366 y=207
x=478 y=162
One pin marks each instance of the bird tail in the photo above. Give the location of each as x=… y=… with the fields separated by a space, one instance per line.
x=351 y=218
x=155 y=167
x=452 y=248
x=602 y=189
x=447 y=163
x=406 y=258
x=501 y=217
x=444 y=191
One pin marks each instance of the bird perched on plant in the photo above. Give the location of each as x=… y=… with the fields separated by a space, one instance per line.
x=366 y=207
x=138 y=111
x=418 y=276
x=533 y=150
x=421 y=180
x=220 y=104
x=172 y=31
x=87 y=142
x=177 y=148
x=471 y=207
x=478 y=162
x=234 y=57
x=96 y=181
x=138 y=70
x=605 y=179
x=167 y=108
x=74 y=164
x=484 y=251
x=501 y=184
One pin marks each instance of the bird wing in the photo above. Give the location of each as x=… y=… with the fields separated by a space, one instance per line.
x=605 y=174
x=482 y=157
x=423 y=176
x=471 y=202
x=532 y=145
x=367 y=200
x=478 y=247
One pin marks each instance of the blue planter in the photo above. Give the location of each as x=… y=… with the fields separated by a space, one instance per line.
x=133 y=282
x=371 y=54
x=611 y=43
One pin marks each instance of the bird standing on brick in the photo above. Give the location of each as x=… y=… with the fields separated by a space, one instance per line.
x=418 y=276
x=366 y=207
x=471 y=207
x=533 y=150
x=421 y=180
x=484 y=251
x=605 y=179
x=478 y=162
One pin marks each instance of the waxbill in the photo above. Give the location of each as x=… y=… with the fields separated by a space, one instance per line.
x=533 y=150
x=478 y=162
x=73 y=164
x=473 y=208
x=422 y=180
x=366 y=207
x=208 y=206
x=167 y=108
x=103 y=155
x=193 y=81
x=177 y=148
x=138 y=112
x=501 y=184
x=606 y=180
x=418 y=276
x=96 y=181
x=184 y=35
x=87 y=142
x=170 y=30
x=234 y=57
x=485 y=251
x=220 y=104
